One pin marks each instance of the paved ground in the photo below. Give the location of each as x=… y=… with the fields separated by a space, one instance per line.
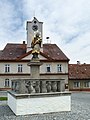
x=3 y=93
x=80 y=111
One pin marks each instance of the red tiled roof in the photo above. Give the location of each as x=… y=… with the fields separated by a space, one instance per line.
x=15 y=51
x=79 y=71
x=54 y=52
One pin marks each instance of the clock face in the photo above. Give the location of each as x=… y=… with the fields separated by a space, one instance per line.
x=35 y=27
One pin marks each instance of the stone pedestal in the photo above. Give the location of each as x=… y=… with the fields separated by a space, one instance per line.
x=34 y=68
x=39 y=103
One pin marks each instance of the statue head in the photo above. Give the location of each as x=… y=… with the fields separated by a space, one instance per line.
x=37 y=34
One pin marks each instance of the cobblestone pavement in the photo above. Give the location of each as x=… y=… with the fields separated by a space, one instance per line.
x=80 y=111
x=3 y=93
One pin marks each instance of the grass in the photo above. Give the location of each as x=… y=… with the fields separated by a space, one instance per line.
x=3 y=98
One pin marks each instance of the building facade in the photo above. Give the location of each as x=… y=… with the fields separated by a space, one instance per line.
x=79 y=77
x=15 y=57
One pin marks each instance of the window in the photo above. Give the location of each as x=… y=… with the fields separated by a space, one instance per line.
x=19 y=67
x=48 y=68
x=59 y=68
x=87 y=84
x=7 y=68
x=76 y=84
x=7 y=83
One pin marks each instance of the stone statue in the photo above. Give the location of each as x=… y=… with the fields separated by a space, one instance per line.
x=36 y=44
x=30 y=87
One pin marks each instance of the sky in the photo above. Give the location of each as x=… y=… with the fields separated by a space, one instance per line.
x=65 y=22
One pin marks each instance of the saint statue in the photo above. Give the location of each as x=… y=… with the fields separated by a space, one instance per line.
x=36 y=44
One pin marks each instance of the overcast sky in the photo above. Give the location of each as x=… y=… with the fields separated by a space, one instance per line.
x=66 y=22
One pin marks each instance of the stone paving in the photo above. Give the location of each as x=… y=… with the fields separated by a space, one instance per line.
x=80 y=110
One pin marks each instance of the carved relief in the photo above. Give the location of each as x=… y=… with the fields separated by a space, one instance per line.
x=54 y=86
x=48 y=86
x=37 y=87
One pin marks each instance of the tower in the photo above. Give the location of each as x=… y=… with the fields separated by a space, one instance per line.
x=32 y=28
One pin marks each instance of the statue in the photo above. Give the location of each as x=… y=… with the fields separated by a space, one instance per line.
x=36 y=44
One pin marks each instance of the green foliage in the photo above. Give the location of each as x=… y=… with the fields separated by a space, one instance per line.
x=3 y=98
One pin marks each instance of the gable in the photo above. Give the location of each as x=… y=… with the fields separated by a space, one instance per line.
x=28 y=57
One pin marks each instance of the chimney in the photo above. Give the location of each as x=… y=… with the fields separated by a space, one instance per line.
x=48 y=40
x=78 y=62
x=23 y=42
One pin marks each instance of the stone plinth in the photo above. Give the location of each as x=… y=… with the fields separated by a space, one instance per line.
x=23 y=104
x=34 y=68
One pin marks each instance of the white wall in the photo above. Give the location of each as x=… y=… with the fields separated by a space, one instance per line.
x=54 y=67
x=40 y=105
x=14 y=67
x=26 y=69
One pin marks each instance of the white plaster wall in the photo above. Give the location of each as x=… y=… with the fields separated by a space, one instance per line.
x=2 y=65
x=12 y=103
x=26 y=69
x=54 y=67
x=1 y=83
x=14 y=67
x=40 y=105
x=29 y=57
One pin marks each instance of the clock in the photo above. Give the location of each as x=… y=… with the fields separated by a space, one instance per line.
x=35 y=27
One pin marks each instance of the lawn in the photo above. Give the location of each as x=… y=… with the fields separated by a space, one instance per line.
x=3 y=98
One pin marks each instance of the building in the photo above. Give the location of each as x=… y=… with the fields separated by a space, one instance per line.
x=79 y=77
x=15 y=57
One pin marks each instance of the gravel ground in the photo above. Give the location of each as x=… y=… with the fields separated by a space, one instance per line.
x=80 y=110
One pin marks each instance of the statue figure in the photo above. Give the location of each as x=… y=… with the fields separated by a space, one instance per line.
x=29 y=86
x=48 y=86
x=36 y=44
x=37 y=87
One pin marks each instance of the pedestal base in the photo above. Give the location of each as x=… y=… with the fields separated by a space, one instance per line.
x=23 y=104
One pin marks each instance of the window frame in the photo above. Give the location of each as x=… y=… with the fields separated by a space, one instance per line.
x=59 y=67
x=86 y=84
x=48 y=68
x=7 y=83
x=76 y=84
x=7 y=68
x=20 y=68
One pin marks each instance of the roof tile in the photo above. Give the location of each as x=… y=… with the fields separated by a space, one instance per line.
x=79 y=71
x=14 y=51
